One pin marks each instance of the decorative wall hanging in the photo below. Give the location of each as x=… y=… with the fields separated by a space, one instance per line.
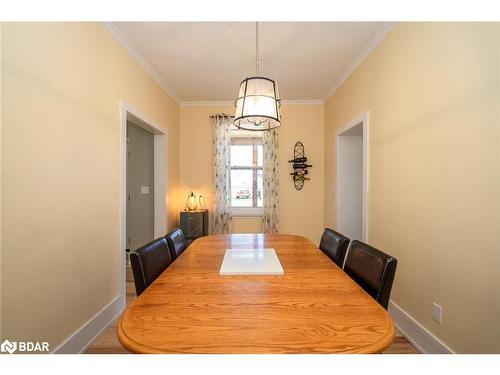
x=299 y=166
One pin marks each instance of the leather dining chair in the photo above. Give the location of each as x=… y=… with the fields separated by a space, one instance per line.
x=148 y=262
x=334 y=245
x=372 y=269
x=176 y=243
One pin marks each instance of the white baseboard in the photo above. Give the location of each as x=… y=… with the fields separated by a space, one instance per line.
x=83 y=337
x=415 y=333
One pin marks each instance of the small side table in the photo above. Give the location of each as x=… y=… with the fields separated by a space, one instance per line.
x=194 y=224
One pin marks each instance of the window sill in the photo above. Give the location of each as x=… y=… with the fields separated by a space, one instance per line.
x=247 y=212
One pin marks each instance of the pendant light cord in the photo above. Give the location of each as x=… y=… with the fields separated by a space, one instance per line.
x=257 y=48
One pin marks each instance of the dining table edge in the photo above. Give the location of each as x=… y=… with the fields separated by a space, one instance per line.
x=138 y=348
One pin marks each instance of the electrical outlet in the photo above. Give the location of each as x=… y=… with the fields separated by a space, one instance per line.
x=437 y=313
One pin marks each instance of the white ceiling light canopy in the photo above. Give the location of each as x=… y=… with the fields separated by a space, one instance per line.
x=258 y=102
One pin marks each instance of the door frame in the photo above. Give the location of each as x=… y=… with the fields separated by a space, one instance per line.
x=129 y=113
x=362 y=119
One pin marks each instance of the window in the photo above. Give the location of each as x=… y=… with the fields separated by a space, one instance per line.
x=247 y=160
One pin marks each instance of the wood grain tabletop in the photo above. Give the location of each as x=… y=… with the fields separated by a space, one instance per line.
x=313 y=308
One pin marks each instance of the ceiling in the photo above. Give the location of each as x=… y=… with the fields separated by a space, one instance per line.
x=205 y=61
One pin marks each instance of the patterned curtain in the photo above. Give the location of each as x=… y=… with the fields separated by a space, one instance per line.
x=222 y=175
x=270 y=181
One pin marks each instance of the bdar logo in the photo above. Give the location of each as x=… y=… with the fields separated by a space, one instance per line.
x=24 y=346
x=8 y=346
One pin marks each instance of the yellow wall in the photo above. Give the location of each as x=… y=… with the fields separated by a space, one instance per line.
x=432 y=91
x=0 y=180
x=62 y=83
x=301 y=212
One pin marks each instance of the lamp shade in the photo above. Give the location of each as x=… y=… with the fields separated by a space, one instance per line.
x=191 y=202
x=258 y=105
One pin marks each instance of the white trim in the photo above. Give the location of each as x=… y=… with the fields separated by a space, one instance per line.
x=247 y=211
x=302 y=102
x=122 y=196
x=160 y=179
x=190 y=103
x=193 y=103
x=124 y=42
x=416 y=333
x=364 y=119
x=160 y=183
x=136 y=55
x=87 y=333
x=359 y=59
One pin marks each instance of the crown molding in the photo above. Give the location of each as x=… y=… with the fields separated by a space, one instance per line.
x=302 y=102
x=192 y=103
x=123 y=41
x=359 y=59
x=188 y=103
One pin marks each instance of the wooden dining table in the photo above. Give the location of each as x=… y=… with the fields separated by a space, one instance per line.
x=313 y=308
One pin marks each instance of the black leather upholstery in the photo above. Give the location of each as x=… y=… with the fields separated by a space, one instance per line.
x=372 y=269
x=334 y=245
x=176 y=243
x=148 y=262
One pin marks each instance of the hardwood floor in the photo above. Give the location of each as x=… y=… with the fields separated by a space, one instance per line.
x=107 y=342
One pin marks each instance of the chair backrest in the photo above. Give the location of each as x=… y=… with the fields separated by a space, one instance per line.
x=334 y=245
x=148 y=262
x=372 y=269
x=176 y=243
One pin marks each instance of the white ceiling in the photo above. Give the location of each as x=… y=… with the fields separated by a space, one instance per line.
x=205 y=61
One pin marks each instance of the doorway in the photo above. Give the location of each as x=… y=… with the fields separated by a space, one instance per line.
x=140 y=186
x=149 y=187
x=352 y=178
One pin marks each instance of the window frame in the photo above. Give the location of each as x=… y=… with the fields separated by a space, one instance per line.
x=240 y=138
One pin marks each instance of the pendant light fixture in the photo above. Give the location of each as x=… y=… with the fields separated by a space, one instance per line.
x=258 y=103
